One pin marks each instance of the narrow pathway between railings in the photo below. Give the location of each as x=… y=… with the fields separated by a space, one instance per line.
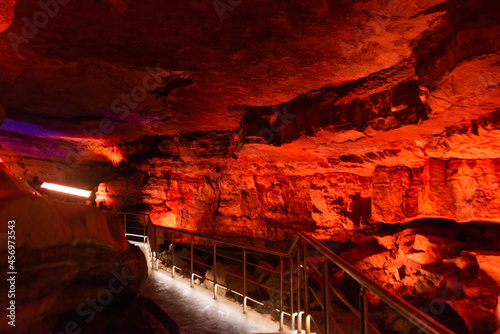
x=308 y=282
x=194 y=309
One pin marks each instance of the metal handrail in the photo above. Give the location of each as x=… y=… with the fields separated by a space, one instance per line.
x=144 y=228
x=408 y=311
x=225 y=242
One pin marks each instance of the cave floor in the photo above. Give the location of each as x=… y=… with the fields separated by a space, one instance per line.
x=195 y=310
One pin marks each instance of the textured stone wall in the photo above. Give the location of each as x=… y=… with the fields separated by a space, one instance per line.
x=6 y=13
x=271 y=202
x=460 y=190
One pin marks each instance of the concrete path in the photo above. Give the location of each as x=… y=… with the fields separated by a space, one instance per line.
x=196 y=312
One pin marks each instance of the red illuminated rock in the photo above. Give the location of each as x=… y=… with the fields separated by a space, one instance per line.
x=272 y=202
x=89 y=224
x=67 y=223
x=488 y=262
x=462 y=190
x=427 y=262
x=292 y=51
x=6 y=14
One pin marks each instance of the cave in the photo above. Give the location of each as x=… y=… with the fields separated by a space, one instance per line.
x=341 y=156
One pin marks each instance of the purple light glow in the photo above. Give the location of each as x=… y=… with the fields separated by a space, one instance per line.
x=26 y=128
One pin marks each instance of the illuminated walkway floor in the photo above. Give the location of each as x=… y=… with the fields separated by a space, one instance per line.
x=196 y=312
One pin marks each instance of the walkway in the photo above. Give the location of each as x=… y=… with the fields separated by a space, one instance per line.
x=205 y=315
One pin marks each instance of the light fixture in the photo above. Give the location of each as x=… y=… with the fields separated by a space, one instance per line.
x=66 y=190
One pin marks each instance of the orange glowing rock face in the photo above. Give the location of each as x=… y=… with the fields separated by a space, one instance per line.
x=110 y=153
x=6 y=13
x=166 y=219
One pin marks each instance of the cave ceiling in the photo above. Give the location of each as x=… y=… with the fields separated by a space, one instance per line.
x=113 y=71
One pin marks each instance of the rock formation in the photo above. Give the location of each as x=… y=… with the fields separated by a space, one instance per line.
x=353 y=121
x=63 y=254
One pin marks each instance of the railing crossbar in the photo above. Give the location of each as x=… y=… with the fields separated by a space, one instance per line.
x=332 y=318
x=316 y=322
x=315 y=295
x=263 y=268
x=344 y=300
x=262 y=285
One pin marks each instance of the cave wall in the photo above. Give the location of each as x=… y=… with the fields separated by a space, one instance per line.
x=459 y=190
x=261 y=201
x=6 y=14
x=354 y=150
x=272 y=202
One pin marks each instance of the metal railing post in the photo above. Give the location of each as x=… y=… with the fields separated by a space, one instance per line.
x=151 y=242
x=173 y=255
x=306 y=291
x=125 y=224
x=281 y=293
x=244 y=280
x=150 y=245
x=326 y=297
x=215 y=271
x=155 y=237
x=192 y=262
x=363 y=305
x=299 y=315
x=144 y=232
x=292 y=318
